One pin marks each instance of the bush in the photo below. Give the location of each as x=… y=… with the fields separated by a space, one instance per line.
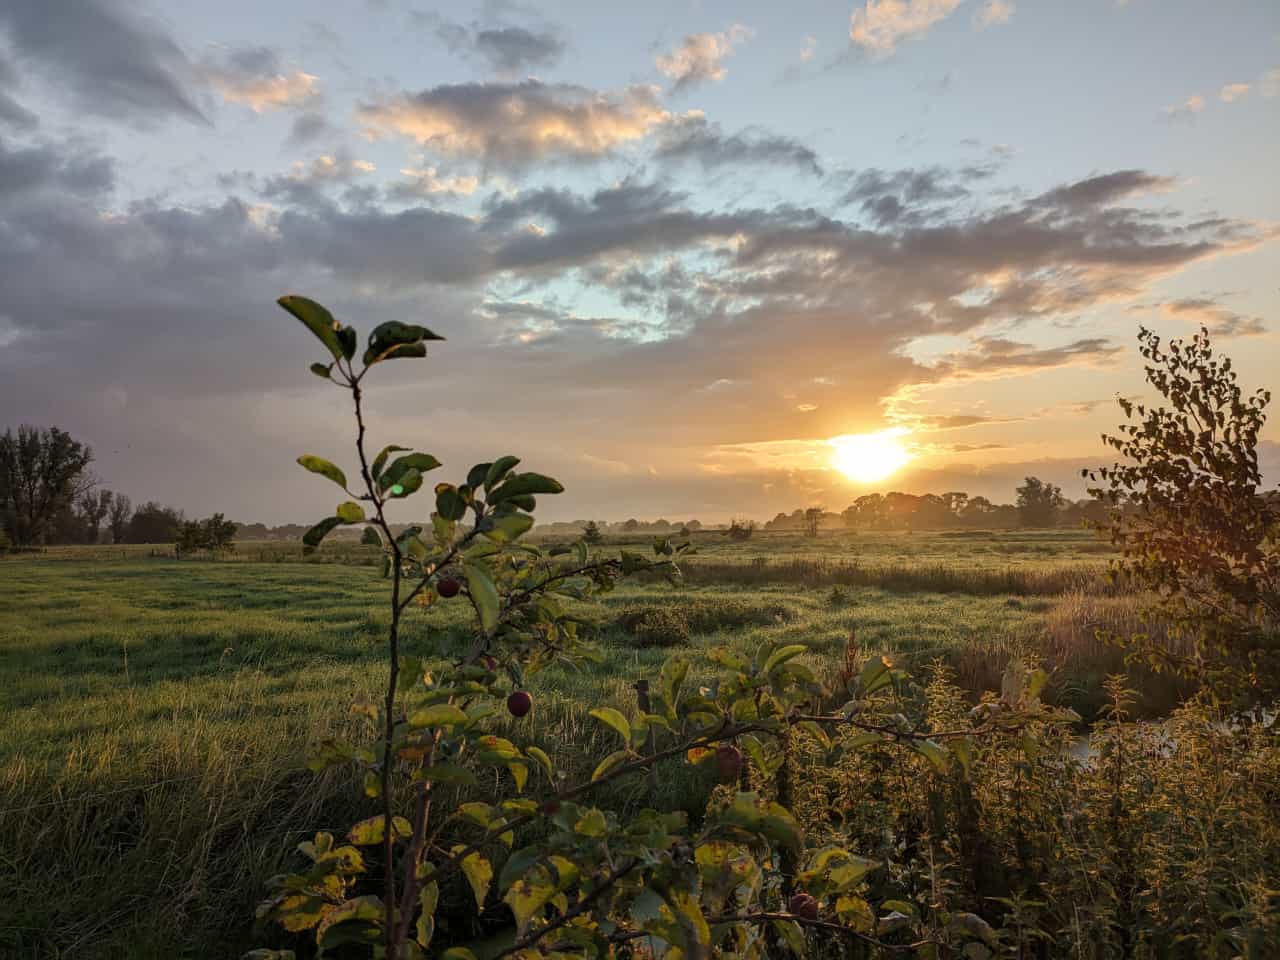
x=677 y=623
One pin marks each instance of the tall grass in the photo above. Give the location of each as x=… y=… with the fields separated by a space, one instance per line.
x=904 y=577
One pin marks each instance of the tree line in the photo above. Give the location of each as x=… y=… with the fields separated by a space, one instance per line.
x=48 y=495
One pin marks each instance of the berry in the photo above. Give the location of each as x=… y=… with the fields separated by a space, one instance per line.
x=551 y=808
x=489 y=663
x=804 y=906
x=448 y=587
x=519 y=703
x=728 y=761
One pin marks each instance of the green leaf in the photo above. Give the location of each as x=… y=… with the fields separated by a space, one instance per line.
x=317 y=319
x=614 y=719
x=790 y=933
x=422 y=462
x=782 y=655
x=409 y=483
x=458 y=953
x=522 y=484
x=321 y=530
x=350 y=512
x=438 y=715
x=479 y=873
x=446 y=773
x=934 y=753
x=507 y=528
x=427 y=901
x=874 y=675
x=449 y=503
x=381 y=459
x=498 y=470
x=615 y=759
x=324 y=468
x=540 y=755
x=321 y=370
x=372 y=830
x=484 y=595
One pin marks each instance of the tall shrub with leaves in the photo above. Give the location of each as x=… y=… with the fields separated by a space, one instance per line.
x=1190 y=518
x=576 y=880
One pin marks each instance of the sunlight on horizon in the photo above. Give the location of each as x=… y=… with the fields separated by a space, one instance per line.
x=868 y=457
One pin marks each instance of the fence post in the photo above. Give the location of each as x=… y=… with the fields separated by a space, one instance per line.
x=642 y=701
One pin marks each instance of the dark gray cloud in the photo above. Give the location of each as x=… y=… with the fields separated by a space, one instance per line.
x=1105 y=189
x=993 y=356
x=1209 y=312
x=12 y=112
x=110 y=60
x=506 y=47
x=310 y=126
x=698 y=140
x=72 y=169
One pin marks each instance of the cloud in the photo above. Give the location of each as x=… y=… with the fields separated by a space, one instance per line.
x=694 y=138
x=1208 y=312
x=879 y=25
x=507 y=48
x=1270 y=83
x=700 y=57
x=993 y=13
x=1233 y=91
x=1001 y=357
x=898 y=196
x=428 y=182
x=12 y=112
x=1105 y=189
x=69 y=168
x=513 y=125
x=308 y=127
x=254 y=76
x=807 y=51
x=1187 y=109
x=110 y=61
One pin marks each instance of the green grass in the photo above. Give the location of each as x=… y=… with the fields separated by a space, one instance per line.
x=155 y=715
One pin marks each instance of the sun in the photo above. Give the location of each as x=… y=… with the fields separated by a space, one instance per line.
x=868 y=457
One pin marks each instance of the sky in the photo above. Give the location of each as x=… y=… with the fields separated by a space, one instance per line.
x=675 y=247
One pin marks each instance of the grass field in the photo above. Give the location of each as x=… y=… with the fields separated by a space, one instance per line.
x=156 y=714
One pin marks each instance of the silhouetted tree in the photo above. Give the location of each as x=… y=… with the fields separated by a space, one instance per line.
x=370 y=537
x=591 y=532
x=153 y=523
x=812 y=520
x=94 y=507
x=118 y=517
x=41 y=473
x=1039 y=503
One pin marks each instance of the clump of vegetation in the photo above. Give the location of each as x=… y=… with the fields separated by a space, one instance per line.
x=370 y=537
x=677 y=623
x=214 y=534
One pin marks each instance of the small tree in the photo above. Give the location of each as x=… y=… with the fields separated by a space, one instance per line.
x=370 y=537
x=219 y=533
x=154 y=523
x=118 y=517
x=94 y=507
x=812 y=521
x=1039 y=503
x=591 y=532
x=1190 y=519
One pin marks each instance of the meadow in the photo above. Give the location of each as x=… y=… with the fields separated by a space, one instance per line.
x=156 y=714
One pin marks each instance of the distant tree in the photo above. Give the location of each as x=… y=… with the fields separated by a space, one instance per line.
x=118 y=517
x=153 y=523
x=631 y=526
x=370 y=537
x=694 y=525
x=740 y=529
x=42 y=471
x=1039 y=503
x=94 y=506
x=591 y=532
x=812 y=520
x=253 y=531
x=219 y=533
x=1194 y=528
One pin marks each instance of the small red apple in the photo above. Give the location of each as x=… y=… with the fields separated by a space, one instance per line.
x=448 y=587
x=519 y=703
x=728 y=761
x=803 y=906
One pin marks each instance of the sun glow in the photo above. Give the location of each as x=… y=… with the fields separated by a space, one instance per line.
x=868 y=457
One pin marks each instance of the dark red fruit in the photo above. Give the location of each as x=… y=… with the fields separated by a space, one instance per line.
x=448 y=587
x=728 y=761
x=551 y=808
x=519 y=703
x=489 y=663
x=803 y=906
